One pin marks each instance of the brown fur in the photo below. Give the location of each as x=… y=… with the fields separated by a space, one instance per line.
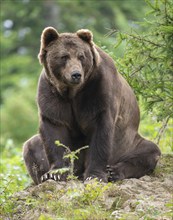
x=83 y=100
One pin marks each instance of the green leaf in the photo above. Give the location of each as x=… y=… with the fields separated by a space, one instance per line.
x=167 y=29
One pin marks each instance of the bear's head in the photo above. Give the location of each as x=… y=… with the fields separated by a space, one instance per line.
x=68 y=58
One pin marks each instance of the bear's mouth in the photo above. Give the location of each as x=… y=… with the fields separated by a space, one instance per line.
x=72 y=82
x=75 y=81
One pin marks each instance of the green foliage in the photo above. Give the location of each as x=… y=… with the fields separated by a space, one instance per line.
x=147 y=62
x=19 y=117
x=13 y=177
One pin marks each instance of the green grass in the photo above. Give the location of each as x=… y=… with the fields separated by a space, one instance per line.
x=13 y=177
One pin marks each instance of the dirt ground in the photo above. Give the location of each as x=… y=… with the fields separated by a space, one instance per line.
x=147 y=198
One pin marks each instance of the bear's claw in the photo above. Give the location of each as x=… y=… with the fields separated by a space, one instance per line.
x=53 y=176
x=45 y=177
x=93 y=177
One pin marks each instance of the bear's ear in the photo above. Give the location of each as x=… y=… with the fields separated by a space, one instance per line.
x=48 y=35
x=85 y=35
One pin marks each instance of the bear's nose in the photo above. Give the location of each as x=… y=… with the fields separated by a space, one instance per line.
x=76 y=76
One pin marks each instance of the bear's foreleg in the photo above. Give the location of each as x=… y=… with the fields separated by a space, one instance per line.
x=51 y=133
x=100 y=148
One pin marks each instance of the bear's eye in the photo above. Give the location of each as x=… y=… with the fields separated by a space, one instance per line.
x=81 y=57
x=65 y=57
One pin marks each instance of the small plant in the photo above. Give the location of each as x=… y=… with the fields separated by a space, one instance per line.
x=94 y=191
x=71 y=156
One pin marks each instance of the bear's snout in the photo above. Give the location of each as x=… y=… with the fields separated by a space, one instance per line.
x=76 y=77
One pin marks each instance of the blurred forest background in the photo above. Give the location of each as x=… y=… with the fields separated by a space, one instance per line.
x=138 y=35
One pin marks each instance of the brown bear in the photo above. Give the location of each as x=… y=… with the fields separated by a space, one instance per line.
x=83 y=100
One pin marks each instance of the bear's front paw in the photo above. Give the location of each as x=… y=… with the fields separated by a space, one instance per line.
x=57 y=175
